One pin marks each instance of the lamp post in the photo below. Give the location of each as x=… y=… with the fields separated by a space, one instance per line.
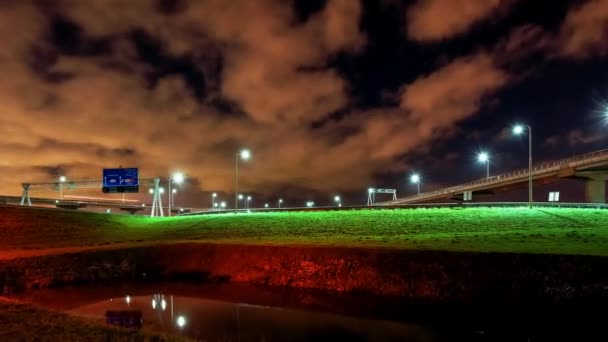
x=266 y=205
x=244 y=154
x=177 y=178
x=62 y=180
x=280 y=202
x=338 y=200
x=519 y=130
x=415 y=179
x=483 y=157
x=247 y=203
x=173 y=192
x=223 y=205
x=213 y=196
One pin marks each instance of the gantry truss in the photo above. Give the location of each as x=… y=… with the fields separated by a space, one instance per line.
x=371 y=194
x=155 y=183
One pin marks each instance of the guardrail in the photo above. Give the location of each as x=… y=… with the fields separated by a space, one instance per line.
x=540 y=169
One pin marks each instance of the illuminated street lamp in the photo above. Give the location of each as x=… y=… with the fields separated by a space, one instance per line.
x=519 y=130
x=177 y=178
x=266 y=205
x=310 y=204
x=338 y=200
x=280 y=202
x=247 y=203
x=483 y=157
x=213 y=196
x=181 y=321
x=223 y=205
x=244 y=154
x=62 y=180
x=173 y=192
x=415 y=179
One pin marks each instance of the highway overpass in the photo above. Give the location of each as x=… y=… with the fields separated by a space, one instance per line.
x=130 y=207
x=592 y=168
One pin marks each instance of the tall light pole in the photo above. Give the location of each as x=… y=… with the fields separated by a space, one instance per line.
x=177 y=178
x=338 y=200
x=280 y=202
x=483 y=157
x=62 y=180
x=247 y=203
x=519 y=130
x=240 y=198
x=415 y=179
x=213 y=196
x=173 y=192
x=244 y=154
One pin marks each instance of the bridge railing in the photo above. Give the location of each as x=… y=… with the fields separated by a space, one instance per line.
x=544 y=167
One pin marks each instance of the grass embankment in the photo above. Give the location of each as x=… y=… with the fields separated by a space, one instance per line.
x=547 y=230
x=24 y=322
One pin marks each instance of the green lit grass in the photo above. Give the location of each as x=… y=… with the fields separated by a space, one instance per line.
x=547 y=230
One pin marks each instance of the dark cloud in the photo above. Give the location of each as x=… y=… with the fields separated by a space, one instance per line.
x=436 y=20
x=585 y=28
x=182 y=85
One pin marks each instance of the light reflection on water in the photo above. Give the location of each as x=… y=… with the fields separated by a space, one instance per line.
x=214 y=320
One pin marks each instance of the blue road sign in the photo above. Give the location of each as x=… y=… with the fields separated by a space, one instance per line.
x=120 y=177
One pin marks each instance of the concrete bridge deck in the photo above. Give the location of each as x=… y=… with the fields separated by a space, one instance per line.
x=590 y=167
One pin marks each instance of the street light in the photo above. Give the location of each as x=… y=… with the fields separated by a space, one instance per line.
x=483 y=157
x=280 y=202
x=338 y=200
x=213 y=196
x=223 y=205
x=266 y=205
x=181 y=321
x=247 y=203
x=62 y=180
x=244 y=154
x=519 y=130
x=415 y=179
x=177 y=178
x=310 y=204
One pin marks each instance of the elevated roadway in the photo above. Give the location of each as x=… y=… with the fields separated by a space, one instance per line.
x=76 y=204
x=592 y=168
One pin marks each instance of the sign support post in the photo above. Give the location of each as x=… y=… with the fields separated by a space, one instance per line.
x=157 y=205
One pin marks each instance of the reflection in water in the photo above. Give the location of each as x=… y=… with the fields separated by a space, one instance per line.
x=216 y=320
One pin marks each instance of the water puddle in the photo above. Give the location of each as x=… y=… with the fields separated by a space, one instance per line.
x=213 y=320
x=241 y=312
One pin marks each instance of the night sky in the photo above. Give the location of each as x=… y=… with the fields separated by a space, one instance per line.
x=330 y=96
